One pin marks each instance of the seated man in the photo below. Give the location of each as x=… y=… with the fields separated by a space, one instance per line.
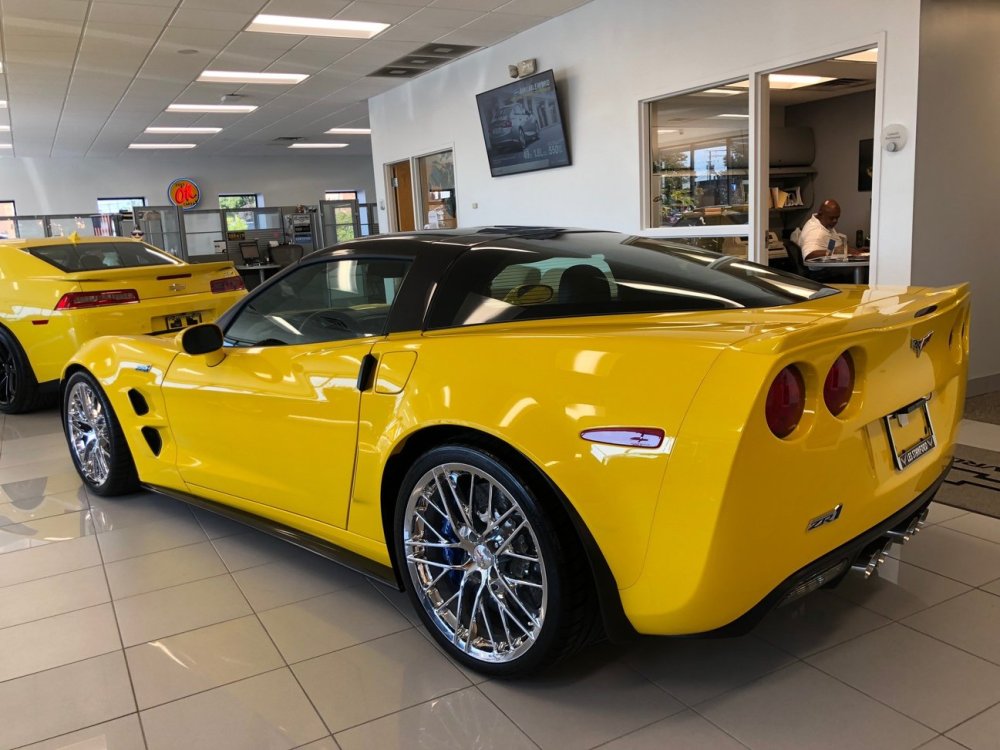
x=818 y=236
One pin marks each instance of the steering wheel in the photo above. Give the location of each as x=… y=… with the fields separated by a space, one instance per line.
x=323 y=323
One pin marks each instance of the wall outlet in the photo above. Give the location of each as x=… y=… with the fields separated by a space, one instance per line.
x=475 y=205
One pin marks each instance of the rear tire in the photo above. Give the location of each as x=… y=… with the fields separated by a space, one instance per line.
x=501 y=584
x=19 y=391
x=96 y=443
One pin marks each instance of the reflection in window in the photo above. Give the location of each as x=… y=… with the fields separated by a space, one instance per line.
x=114 y=205
x=699 y=156
x=237 y=220
x=437 y=190
x=8 y=229
x=339 y=299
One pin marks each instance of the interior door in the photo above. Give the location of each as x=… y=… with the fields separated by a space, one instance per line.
x=341 y=221
x=402 y=191
x=276 y=422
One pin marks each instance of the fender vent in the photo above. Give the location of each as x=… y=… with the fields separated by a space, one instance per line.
x=139 y=405
x=153 y=438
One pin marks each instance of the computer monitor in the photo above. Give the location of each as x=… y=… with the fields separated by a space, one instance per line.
x=250 y=252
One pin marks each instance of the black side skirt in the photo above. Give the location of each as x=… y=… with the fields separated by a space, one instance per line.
x=376 y=571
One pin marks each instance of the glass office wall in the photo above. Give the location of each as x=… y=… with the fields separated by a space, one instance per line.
x=438 y=208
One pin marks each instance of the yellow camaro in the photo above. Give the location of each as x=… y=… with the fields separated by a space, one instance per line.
x=544 y=433
x=59 y=292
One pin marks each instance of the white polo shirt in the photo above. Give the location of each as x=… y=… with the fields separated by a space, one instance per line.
x=814 y=236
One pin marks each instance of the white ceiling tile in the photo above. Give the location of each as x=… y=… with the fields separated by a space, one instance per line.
x=474 y=37
x=550 y=8
x=483 y=5
x=243 y=6
x=203 y=39
x=308 y=8
x=508 y=22
x=316 y=59
x=249 y=43
x=45 y=10
x=130 y=14
x=198 y=18
x=376 y=12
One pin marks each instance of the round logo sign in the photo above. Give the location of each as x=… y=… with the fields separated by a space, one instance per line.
x=184 y=193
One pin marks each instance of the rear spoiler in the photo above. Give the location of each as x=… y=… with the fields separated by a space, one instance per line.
x=879 y=308
x=142 y=272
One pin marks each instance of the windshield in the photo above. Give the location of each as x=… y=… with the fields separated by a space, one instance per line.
x=90 y=256
x=601 y=273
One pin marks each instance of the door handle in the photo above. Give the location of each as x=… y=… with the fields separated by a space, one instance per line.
x=366 y=375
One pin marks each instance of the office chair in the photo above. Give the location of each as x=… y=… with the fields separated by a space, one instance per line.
x=286 y=255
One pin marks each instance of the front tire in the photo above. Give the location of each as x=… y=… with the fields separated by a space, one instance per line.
x=496 y=579
x=18 y=387
x=96 y=443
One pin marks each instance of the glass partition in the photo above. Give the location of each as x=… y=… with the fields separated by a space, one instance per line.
x=162 y=226
x=699 y=152
x=201 y=230
x=437 y=190
x=29 y=228
x=340 y=221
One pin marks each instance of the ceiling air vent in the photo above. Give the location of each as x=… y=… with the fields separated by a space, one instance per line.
x=288 y=138
x=395 y=71
x=423 y=59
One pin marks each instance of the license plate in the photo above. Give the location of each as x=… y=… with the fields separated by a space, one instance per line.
x=182 y=320
x=910 y=433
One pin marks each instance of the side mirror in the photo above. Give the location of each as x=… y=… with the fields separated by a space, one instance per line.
x=201 y=339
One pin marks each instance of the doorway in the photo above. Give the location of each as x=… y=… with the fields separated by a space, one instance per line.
x=401 y=182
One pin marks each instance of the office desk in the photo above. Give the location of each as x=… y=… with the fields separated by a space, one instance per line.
x=857 y=266
x=261 y=269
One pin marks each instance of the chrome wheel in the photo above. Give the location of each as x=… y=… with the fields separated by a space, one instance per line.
x=475 y=563
x=88 y=433
x=8 y=376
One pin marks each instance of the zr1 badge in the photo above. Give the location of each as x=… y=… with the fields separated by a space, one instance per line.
x=829 y=517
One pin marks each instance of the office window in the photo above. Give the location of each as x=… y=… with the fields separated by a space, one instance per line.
x=699 y=157
x=237 y=220
x=341 y=195
x=8 y=229
x=437 y=190
x=114 y=205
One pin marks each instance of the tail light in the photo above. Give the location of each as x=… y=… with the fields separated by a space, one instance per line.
x=78 y=300
x=228 y=284
x=839 y=384
x=786 y=401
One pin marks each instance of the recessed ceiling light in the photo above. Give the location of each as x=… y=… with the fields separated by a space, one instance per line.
x=234 y=76
x=350 y=131
x=222 y=108
x=318 y=145
x=182 y=130
x=788 y=81
x=866 y=55
x=735 y=116
x=150 y=146
x=316 y=26
x=720 y=92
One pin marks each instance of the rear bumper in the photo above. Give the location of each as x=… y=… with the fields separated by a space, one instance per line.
x=844 y=556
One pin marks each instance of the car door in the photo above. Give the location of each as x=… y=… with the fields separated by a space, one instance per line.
x=276 y=421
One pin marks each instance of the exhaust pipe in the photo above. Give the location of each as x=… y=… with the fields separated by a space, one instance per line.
x=875 y=554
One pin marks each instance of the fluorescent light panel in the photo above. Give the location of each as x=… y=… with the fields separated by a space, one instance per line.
x=721 y=92
x=787 y=81
x=3 y=104
x=318 y=145
x=316 y=26
x=350 y=131
x=865 y=55
x=151 y=146
x=167 y=131
x=4 y=128
x=220 y=108
x=237 y=76
x=6 y=145
x=735 y=116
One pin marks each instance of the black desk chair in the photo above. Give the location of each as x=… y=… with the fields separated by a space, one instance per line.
x=286 y=254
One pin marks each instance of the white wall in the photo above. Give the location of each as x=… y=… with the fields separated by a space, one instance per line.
x=839 y=124
x=610 y=54
x=958 y=172
x=60 y=186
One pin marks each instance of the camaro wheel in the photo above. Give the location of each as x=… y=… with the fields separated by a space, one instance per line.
x=18 y=387
x=96 y=443
x=487 y=568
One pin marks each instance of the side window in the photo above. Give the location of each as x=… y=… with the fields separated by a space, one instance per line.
x=332 y=301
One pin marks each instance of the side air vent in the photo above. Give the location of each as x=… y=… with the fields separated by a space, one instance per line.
x=154 y=440
x=139 y=404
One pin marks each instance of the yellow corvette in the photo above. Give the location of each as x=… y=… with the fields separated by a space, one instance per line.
x=543 y=433
x=58 y=292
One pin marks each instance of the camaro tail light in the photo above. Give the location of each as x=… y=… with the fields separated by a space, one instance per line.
x=78 y=300
x=632 y=437
x=786 y=401
x=839 y=384
x=228 y=284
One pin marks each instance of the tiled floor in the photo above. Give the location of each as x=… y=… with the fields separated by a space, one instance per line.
x=139 y=623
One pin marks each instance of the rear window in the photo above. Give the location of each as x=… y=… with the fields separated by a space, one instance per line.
x=600 y=273
x=90 y=256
